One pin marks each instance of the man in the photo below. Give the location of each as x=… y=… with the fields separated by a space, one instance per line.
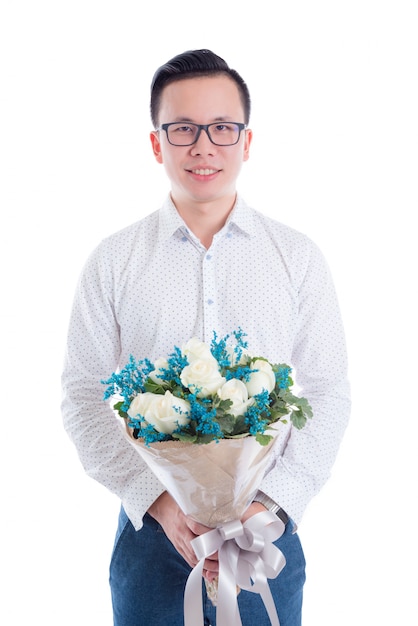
x=205 y=261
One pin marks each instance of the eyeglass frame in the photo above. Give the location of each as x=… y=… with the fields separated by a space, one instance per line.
x=241 y=126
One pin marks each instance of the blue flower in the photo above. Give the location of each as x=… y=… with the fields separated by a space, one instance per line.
x=129 y=381
x=283 y=376
x=257 y=415
x=221 y=352
x=204 y=416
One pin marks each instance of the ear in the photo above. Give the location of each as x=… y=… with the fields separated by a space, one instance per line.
x=156 y=145
x=247 y=143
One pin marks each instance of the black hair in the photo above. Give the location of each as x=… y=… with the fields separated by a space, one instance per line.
x=189 y=65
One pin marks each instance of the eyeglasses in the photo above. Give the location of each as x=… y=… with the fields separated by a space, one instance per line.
x=219 y=133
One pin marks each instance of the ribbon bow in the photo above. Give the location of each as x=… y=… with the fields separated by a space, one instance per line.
x=247 y=558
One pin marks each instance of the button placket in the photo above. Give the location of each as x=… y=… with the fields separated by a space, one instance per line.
x=210 y=304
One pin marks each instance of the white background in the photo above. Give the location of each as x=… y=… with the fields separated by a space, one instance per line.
x=334 y=88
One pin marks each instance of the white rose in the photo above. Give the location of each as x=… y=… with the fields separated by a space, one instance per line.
x=261 y=380
x=140 y=404
x=164 y=412
x=236 y=391
x=202 y=376
x=195 y=349
x=157 y=375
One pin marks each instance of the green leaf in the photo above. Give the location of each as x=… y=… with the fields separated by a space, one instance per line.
x=298 y=419
x=204 y=438
x=288 y=396
x=240 y=426
x=152 y=387
x=223 y=405
x=276 y=415
x=304 y=405
x=186 y=437
x=117 y=407
x=263 y=440
x=277 y=411
x=227 y=423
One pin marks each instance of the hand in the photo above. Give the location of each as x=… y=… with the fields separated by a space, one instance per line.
x=253 y=509
x=181 y=530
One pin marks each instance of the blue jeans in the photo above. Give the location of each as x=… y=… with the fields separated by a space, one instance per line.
x=148 y=577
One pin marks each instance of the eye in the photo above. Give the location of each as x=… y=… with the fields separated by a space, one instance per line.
x=222 y=128
x=182 y=129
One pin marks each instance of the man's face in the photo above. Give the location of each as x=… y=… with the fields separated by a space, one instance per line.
x=203 y=172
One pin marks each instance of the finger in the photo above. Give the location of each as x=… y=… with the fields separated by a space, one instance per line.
x=211 y=566
x=210 y=576
x=196 y=527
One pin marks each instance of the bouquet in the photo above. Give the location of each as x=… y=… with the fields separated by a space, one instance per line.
x=206 y=420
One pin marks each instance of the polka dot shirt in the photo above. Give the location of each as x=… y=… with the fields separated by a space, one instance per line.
x=153 y=286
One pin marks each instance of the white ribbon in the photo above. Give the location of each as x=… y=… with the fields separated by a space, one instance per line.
x=247 y=558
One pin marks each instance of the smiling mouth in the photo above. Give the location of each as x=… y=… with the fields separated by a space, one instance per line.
x=204 y=172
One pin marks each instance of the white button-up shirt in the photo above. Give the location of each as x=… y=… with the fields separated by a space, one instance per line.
x=153 y=286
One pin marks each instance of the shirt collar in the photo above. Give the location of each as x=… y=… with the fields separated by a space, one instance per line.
x=169 y=220
x=241 y=217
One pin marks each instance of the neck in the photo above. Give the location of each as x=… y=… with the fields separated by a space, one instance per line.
x=207 y=218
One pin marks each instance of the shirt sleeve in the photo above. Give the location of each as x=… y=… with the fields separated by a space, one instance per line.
x=92 y=354
x=320 y=369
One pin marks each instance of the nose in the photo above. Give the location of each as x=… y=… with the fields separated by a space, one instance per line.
x=203 y=143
